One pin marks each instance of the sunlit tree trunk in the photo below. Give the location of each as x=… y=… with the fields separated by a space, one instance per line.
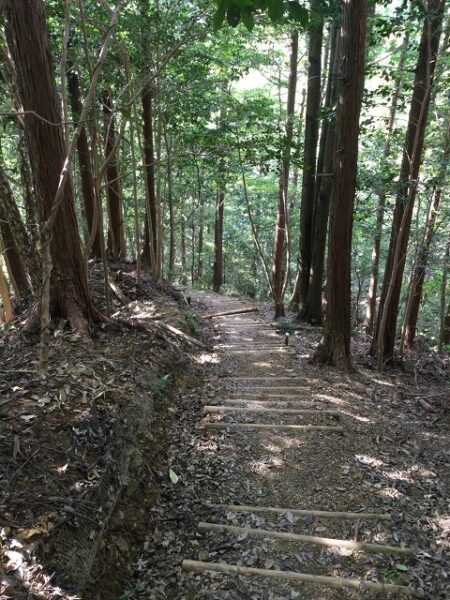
x=335 y=346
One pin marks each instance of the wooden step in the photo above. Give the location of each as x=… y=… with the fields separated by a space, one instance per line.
x=275 y=427
x=204 y=527
x=337 y=582
x=288 y=411
x=324 y=514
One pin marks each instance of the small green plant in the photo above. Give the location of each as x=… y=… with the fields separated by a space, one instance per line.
x=286 y=326
x=161 y=383
x=192 y=321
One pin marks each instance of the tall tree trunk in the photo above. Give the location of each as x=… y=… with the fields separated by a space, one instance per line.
x=309 y=159
x=172 y=248
x=218 y=240
x=418 y=275
x=279 y=260
x=12 y=225
x=335 y=346
x=294 y=191
x=374 y=270
x=29 y=45
x=150 y=234
x=84 y=161
x=14 y=262
x=324 y=185
x=116 y=234
x=183 y=243
x=200 y=220
x=383 y=342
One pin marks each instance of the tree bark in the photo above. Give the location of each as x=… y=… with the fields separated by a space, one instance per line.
x=218 y=240
x=172 y=248
x=335 y=346
x=17 y=241
x=116 y=234
x=150 y=233
x=279 y=260
x=84 y=161
x=309 y=159
x=14 y=262
x=28 y=39
x=324 y=184
x=383 y=342
x=374 y=270
x=418 y=275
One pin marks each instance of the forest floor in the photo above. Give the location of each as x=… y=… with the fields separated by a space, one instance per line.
x=109 y=462
x=79 y=464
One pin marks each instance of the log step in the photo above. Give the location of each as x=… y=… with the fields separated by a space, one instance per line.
x=255 y=409
x=204 y=527
x=279 y=350
x=337 y=582
x=287 y=428
x=326 y=514
x=269 y=400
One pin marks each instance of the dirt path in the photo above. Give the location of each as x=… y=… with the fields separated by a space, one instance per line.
x=271 y=431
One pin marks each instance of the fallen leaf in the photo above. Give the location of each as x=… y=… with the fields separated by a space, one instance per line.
x=173 y=476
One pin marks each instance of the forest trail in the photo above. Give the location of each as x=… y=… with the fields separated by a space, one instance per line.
x=290 y=451
x=270 y=431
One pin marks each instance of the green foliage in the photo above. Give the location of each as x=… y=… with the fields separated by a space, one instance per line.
x=245 y=11
x=159 y=384
x=192 y=321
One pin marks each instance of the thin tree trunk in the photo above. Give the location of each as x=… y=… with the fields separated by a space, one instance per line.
x=281 y=235
x=335 y=346
x=84 y=161
x=150 y=234
x=374 y=270
x=383 y=342
x=116 y=235
x=183 y=242
x=200 y=219
x=293 y=196
x=218 y=240
x=137 y=229
x=172 y=248
x=309 y=160
x=28 y=40
x=418 y=275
